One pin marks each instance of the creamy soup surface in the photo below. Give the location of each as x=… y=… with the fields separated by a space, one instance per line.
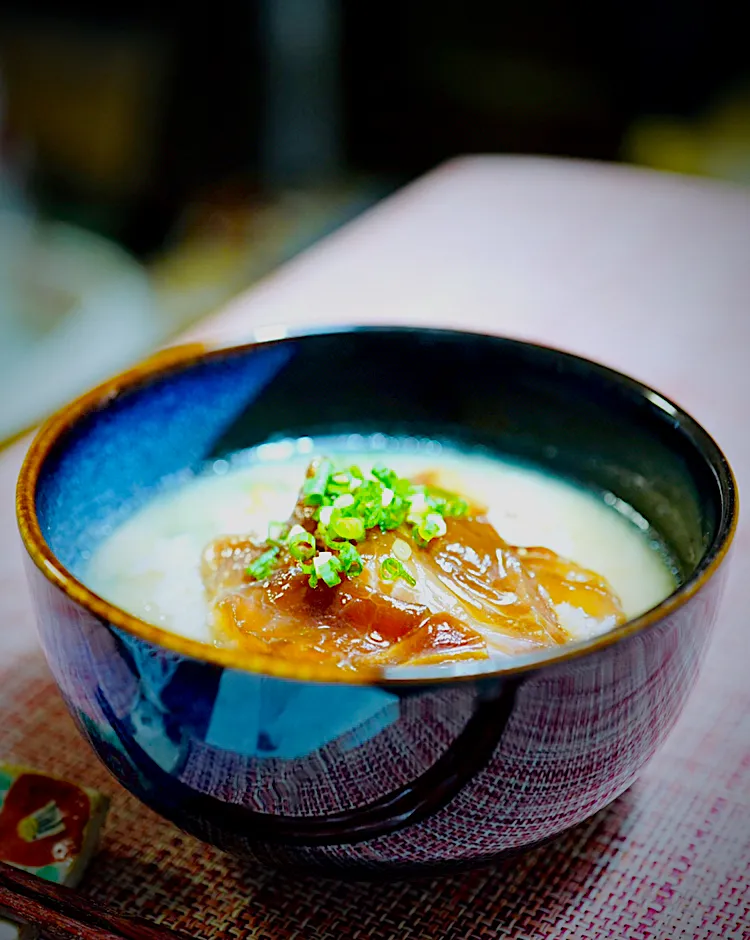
x=150 y=565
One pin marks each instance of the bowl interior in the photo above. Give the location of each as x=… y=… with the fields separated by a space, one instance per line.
x=520 y=401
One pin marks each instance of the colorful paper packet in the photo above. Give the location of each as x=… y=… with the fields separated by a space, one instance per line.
x=48 y=826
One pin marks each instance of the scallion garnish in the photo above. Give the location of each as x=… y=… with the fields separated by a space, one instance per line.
x=301 y=544
x=391 y=569
x=277 y=532
x=347 y=504
x=394 y=514
x=349 y=527
x=431 y=526
x=386 y=476
x=339 y=482
x=351 y=502
x=264 y=564
x=447 y=504
x=329 y=538
x=351 y=560
x=401 y=549
x=327 y=567
x=315 y=487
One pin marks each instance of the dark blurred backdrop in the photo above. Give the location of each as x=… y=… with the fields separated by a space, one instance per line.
x=129 y=114
x=212 y=142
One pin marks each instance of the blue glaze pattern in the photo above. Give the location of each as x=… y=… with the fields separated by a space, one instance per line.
x=116 y=459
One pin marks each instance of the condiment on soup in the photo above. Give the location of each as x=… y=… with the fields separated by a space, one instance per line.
x=374 y=567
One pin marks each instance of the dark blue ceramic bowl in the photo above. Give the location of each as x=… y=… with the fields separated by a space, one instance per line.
x=291 y=766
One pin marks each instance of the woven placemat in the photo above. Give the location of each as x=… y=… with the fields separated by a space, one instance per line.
x=669 y=859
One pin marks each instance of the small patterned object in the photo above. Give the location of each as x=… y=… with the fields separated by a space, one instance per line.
x=48 y=826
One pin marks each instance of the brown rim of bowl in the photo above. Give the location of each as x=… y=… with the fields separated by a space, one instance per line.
x=176 y=358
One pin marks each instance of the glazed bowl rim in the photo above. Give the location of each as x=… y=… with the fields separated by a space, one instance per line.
x=179 y=358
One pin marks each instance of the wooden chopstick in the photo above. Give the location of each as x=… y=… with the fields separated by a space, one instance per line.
x=62 y=913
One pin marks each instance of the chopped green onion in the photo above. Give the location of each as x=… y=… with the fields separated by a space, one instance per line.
x=386 y=476
x=401 y=549
x=368 y=503
x=314 y=488
x=338 y=484
x=327 y=568
x=301 y=544
x=351 y=560
x=457 y=507
x=386 y=497
x=350 y=502
x=263 y=565
x=394 y=515
x=447 y=504
x=308 y=568
x=403 y=487
x=349 y=527
x=329 y=538
x=418 y=540
x=431 y=526
x=417 y=506
x=325 y=514
x=391 y=568
x=277 y=531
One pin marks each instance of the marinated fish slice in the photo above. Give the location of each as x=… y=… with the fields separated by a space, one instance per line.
x=462 y=593
x=581 y=597
x=351 y=624
x=471 y=575
x=225 y=561
x=438 y=639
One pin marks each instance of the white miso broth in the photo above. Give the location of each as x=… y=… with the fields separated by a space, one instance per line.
x=149 y=565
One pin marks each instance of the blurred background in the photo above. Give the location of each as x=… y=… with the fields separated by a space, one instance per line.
x=154 y=162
